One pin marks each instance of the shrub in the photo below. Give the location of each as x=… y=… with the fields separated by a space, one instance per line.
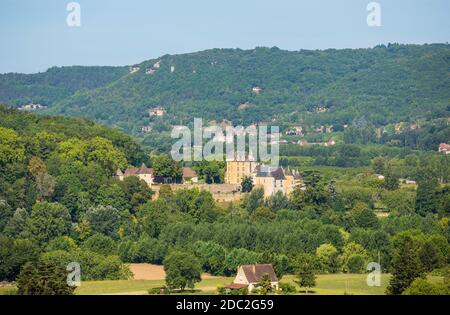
x=286 y=288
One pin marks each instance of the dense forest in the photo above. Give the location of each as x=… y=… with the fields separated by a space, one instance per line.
x=59 y=203
x=385 y=84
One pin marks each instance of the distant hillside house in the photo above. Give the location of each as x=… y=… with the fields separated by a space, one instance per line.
x=189 y=175
x=31 y=107
x=144 y=173
x=297 y=131
x=257 y=89
x=157 y=111
x=133 y=69
x=146 y=129
x=320 y=109
x=248 y=276
x=325 y=144
x=444 y=148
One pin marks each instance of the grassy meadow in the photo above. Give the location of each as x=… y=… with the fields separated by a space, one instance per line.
x=332 y=284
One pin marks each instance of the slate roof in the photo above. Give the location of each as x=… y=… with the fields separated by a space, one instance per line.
x=276 y=172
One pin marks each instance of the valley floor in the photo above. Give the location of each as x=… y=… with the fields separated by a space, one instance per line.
x=148 y=276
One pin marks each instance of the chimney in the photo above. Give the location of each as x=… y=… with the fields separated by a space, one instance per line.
x=254 y=269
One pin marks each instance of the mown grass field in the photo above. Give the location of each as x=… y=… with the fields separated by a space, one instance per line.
x=336 y=284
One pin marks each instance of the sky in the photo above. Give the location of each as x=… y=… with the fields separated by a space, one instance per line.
x=34 y=35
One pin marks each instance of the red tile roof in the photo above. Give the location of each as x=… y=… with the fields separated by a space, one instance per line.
x=189 y=172
x=138 y=171
x=253 y=273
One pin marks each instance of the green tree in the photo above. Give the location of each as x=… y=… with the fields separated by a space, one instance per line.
x=406 y=265
x=262 y=214
x=264 y=285
x=430 y=256
x=247 y=185
x=278 y=201
x=356 y=251
x=48 y=220
x=356 y=263
x=45 y=279
x=104 y=220
x=253 y=201
x=165 y=167
x=6 y=213
x=363 y=217
x=327 y=256
x=112 y=195
x=306 y=272
x=427 y=196
x=391 y=179
x=165 y=192
x=45 y=183
x=424 y=287
x=14 y=254
x=17 y=225
x=182 y=270
x=101 y=244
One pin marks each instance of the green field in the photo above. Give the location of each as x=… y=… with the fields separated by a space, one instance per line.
x=335 y=284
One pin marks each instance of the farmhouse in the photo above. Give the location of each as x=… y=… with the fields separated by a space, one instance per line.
x=189 y=175
x=248 y=276
x=144 y=173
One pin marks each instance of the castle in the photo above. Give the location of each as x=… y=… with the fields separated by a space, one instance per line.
x=271 y=179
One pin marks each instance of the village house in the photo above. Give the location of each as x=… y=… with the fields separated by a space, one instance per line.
x=157 y=111
x=444 y=148
x=189 y=175
x=319 y=129
x=248 y=277
x=31 y=107
x=296 y=131
x=257 y=89
x=244 y=105
x=146 y=129
x=133 y=69
x=303 y=143
x=144 y=173
x=320 y=109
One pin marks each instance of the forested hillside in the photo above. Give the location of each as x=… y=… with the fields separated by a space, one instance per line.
x=386 y=84
x=55 y=84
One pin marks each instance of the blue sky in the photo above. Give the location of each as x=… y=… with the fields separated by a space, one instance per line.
x=34 y=35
